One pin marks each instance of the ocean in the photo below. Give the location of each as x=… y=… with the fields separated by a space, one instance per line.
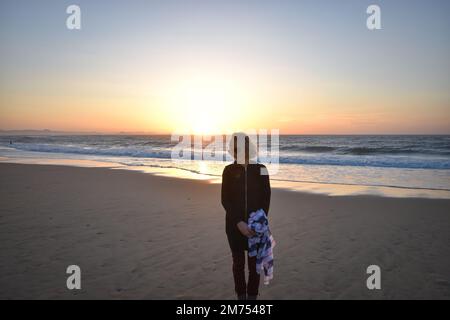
x=419 y=162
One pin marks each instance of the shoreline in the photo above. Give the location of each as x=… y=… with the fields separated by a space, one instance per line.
x=141 y=236
x=322 y=188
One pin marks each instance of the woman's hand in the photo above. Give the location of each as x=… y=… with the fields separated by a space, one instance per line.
x=245 y=230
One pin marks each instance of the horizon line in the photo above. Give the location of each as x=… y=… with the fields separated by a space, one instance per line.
x=94 y=132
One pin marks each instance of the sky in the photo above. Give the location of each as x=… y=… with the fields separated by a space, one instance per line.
x=208 y=66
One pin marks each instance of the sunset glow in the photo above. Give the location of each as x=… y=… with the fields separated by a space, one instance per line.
x=204 y=104
x=209 y=67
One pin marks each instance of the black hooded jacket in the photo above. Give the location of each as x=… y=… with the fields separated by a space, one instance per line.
x=234 y=181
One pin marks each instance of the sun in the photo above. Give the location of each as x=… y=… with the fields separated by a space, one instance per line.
x=205 y=105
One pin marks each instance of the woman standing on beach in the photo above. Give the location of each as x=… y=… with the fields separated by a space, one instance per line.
x=245 y=189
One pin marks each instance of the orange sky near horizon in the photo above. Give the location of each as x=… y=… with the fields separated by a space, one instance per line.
x=209 y=104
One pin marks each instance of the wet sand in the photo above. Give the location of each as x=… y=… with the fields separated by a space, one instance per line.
x=141 y=236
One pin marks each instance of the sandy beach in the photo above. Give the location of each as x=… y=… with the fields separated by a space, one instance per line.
x=140 y=236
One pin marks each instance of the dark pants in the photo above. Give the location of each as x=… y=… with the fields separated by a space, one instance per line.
x=240 y=286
